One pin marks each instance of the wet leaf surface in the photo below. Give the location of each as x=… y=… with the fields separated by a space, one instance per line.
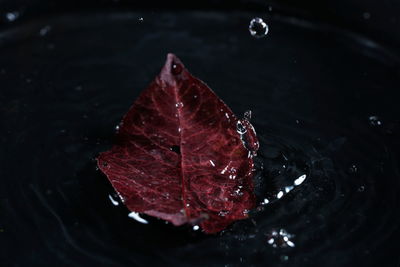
x=182 y=155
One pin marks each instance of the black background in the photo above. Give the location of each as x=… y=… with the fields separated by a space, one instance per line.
x=313 y=84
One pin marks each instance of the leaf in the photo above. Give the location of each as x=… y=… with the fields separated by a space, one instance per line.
x=181 y=154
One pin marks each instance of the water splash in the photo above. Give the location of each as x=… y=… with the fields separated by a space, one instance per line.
x=280 y=239
x=136 y=217
x=113 y=201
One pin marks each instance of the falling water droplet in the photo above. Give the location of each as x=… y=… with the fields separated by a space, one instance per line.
x=12 y=16
x=179 y=105
x=361 y=188
x=196 y=227
x=141 y=19
x=258 y=28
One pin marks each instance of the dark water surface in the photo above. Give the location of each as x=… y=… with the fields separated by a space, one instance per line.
x=324 y=105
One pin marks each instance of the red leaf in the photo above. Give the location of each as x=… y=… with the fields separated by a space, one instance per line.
x=181 y=154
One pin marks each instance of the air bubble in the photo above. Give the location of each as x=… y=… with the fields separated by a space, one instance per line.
x=258 y=28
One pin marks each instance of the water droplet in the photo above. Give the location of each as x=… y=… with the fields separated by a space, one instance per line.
x=136 y=217
x=300 y=180
x=374 y=121
x=141 y=19
x=117 y=128
x=223 y=213
x=176 y=149
x=179 y=105
x=45 y=30
x=352 y=169
x=280 y=239
x=265 y=201
x=196 y=227
x=12 y=16
x=113 y=201
x=176 y=69
x=279 y=195
x=240 y=128
x=361 y=188
x=247 y=115
x=288 y=188
x=258 y=28
x=212 y=163
x=284 y=258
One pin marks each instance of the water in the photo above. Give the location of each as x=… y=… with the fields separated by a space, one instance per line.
x=311 y=88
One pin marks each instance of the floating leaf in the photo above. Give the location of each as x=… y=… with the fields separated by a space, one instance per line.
x=180 y=155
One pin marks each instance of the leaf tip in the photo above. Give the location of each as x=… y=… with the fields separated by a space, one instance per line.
x=173 y=67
